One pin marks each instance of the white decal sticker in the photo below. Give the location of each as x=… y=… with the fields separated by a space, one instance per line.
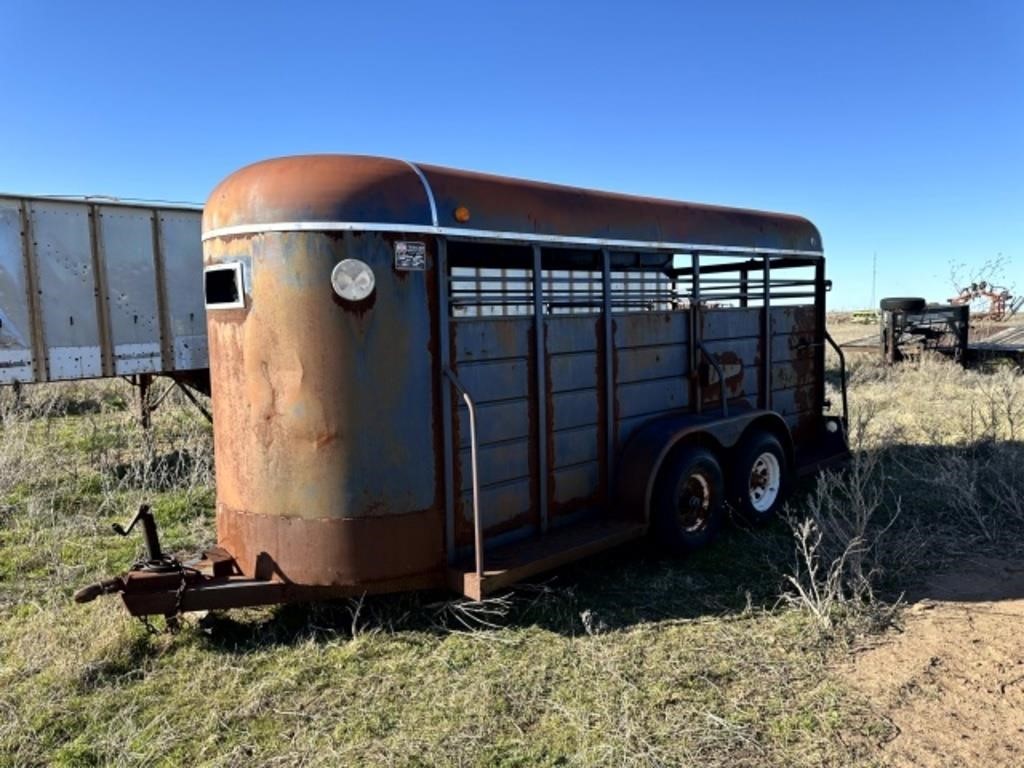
x=410 y=256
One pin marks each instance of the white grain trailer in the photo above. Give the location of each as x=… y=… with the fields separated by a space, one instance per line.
x=94 y=288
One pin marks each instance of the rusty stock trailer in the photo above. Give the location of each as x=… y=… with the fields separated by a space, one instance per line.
x=428 y=378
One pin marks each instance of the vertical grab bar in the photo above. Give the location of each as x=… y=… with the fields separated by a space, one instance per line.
x=478 y=534
x=721 y=376
x=842 y=375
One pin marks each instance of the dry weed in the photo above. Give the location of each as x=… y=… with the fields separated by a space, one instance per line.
x=837 y=541
x=936 y=472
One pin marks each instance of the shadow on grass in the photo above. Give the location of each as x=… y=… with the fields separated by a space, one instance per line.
x=953 y=502
x=610 y=592
x=126 y=665
x=959 y=504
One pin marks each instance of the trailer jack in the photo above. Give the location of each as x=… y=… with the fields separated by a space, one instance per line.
x=162 y=584
x=156 y=562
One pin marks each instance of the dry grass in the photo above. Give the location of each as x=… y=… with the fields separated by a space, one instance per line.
x=622 y=660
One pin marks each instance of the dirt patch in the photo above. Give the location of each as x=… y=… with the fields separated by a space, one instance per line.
x=952 y=682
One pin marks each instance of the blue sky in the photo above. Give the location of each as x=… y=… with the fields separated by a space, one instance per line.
x=897 y=127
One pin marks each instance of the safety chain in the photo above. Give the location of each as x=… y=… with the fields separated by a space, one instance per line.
x=181 y=592
x=172 y=564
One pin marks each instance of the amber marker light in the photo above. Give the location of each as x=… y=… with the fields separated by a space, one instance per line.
x=462 y=214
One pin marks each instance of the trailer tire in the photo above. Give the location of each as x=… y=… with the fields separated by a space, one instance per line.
x=902 y=304
x=760 y=480
x=687 y=508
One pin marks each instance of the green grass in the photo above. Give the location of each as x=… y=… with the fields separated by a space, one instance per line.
x=621 y=660
x=294 y=685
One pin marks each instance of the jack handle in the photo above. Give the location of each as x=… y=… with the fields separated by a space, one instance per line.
x=145 y=516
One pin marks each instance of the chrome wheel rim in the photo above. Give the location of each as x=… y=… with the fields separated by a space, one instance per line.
x=765 y=481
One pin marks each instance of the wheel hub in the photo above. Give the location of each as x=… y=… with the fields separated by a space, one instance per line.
x=765 y=481
x=694 y=503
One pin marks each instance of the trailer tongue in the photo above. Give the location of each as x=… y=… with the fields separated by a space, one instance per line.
x=163 y=584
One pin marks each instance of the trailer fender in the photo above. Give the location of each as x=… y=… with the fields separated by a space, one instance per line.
x=646 y=451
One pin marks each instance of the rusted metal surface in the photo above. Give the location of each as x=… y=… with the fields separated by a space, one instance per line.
x=355 y=188
x=346 y=188
x=499 y=203
x=213 y=582
x=650 y=377
x=797 y=344
x=324 y=414
x=943 y=330
x=341 y=449
x=156 y=596
x=334 y=551
x=494 y=359
x=576 y=414
x=520 y=560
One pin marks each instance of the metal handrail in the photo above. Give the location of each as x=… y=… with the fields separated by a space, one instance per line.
x=721 y=375
x=478 y=534
x=842 y=374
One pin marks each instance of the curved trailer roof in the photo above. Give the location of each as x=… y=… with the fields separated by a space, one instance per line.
x=357 y=192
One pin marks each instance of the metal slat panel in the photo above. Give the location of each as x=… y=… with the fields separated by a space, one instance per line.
x=574 y=409
x=747 y=350
x=786 y=375
x=731 y=323
x=793 y=400
x=746 y=385
x=751 y=381
x=574 y=371
x=572 y=333
x=500 y=504
x=790 y=347
x=16 y=358
x=180 y=233
x=649 y=397
x=492 y=364
x=578 y=482
x=67 y=289
x=575 y=446
x=490 y=381
x=497 y=464
x=127 y=242
x=793 y=331
x=496 y=422
x=643 y=363
x=786 y=319
x=646 y=329
x=79 y=289
x=491 y=339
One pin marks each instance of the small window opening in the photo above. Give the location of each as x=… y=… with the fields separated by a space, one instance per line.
x=223 y=286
